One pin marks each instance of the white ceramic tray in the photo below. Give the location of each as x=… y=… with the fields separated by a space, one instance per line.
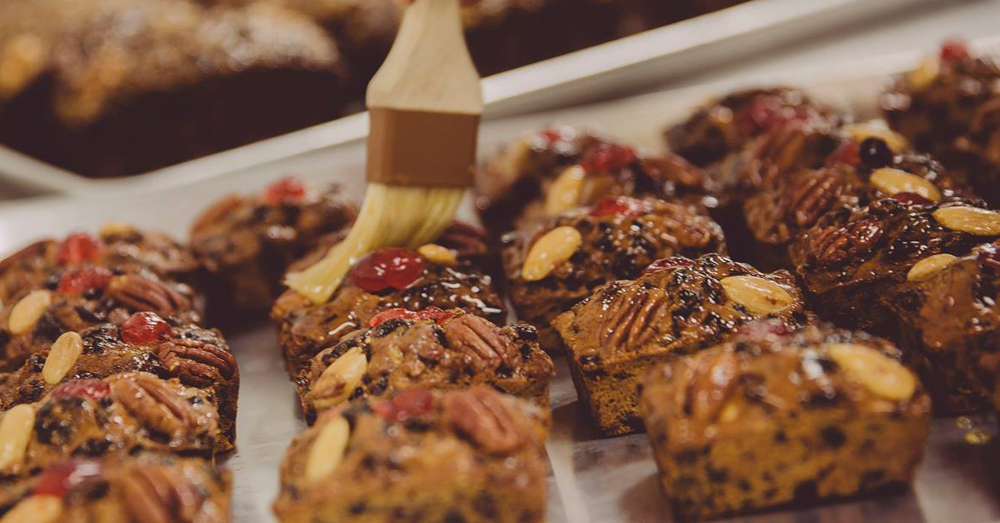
x=625 y=65
x=594 y=479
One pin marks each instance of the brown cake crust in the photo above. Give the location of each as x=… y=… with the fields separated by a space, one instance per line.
x=432 y=349
x=679 y=306
x=772 y=417
x=473 y=455
x=620 y=237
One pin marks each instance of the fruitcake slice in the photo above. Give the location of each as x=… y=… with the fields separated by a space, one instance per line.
x=432 y=349
x=246 y=243
x=470 y=455
x=432 y=276
x=148 y=486
x=121 y=413
x=678 y=306
x=551 y=267
x=145 y=342
x=772 y=417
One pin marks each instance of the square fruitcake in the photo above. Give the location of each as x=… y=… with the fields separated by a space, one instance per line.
x=433 y=349
x=772 y=417
x=552 y=266
x=145 y=487
x=471 y=455
x=678 y=306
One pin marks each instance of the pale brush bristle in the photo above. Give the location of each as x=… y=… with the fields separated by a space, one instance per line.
x=390 y=216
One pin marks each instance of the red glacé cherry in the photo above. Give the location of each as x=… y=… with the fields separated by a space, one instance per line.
x=394 y=268
x=620 y=206
x=62 y=477
x=848 y=154
x=954 y=50
x=607 y=157
x=78 y=281
x=145 y=327
x=765 y=113
x=285 y=190
x=94 y=389
x=911 y=198
x=672 y=262
x=77 y=248
x=439 y=316
x=403 y=405
x=552 y=136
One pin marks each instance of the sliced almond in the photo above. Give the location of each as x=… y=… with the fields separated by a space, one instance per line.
x=758 y=295
x=927 y=267
x=972 y=220
x=340 y=379
x=553 y=248
x=877 y=129
x=36 y=509
x=878 y=373
x=62 y=357
x=564 y=194
x=438 y=254
x=327 y=449
x=26 y=312
x=15 y=432
x=925 y=73
x=892 y=181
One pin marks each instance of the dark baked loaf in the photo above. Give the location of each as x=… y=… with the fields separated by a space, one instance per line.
x=117 y=87
x=553 y=266
x=147 y=486
x=678 y=306
x=950 y=106
x=143 y=343
x=432 y=349
x=473 y=455
x=246 y=243
x=772 y=417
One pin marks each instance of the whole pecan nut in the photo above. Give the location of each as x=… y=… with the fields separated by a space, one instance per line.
x=812 y=196
x=631 y=319
x=480 y=340
x=152 y=494
x=196 y=362
x=487 y=419
x=464 y=239
x=711 y=382
x=143 y=294
x=154 y=404
x=834 y=245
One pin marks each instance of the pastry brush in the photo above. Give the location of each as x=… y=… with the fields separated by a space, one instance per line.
x=424 y=105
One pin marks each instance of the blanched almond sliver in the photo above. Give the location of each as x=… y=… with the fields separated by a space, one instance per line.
x=327 y=449
x=36 y=509
x=28 y=310
x=893 y=181
x=340 y=379
x=878 y=373
x=758 y=295
x=564 y=194
x=16 y=427
x=972 y=220
x=553 y=248
x=929 y=266
x=62 y=357
x=438 y=254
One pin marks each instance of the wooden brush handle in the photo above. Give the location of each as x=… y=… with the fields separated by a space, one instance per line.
x=424 y=102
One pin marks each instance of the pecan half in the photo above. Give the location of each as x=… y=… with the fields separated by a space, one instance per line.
x=483 y=415
x=479 y=340
x=464 y=239
x=812 y=196
x=154 y=404
x=836 y=244
x=196 y=362
x=143 y=294
x=151 y=494
x=632 y=319
x=710 y=384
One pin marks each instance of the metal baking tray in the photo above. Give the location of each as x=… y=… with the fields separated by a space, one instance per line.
x=594 y=479
x=618 y=67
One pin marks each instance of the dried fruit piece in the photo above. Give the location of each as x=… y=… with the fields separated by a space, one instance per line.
x=881 y=375
x=77 y=248
x=607 y=157
x=564 y=194
x=394 y=267
x=954 y=50
x=64 y=476
x=285 y=190
x=62 y=357
x=479 y=340
x=486 y=418
x=91 y=388
x=143 y=294
x=664 y=264
x=862 y=131
x=972 y=220
x=620 y=206
x=145 y=327
x=154 y=404
x=758 y=295
x=894 y=181
x=36 y=509
x=438 y=254
x=28 y=310
x=927 y=267
x=78 y=281
x=151 y=494
x=196 y=362
x=15 y=431
x=848 y=154
x=710 y=385
x=925 y=73
x=114 y=228
x=553 y=248
x=340 y=379
x=328 y=448
x=404 y=405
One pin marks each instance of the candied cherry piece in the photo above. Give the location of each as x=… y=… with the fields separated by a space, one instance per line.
x=761 y=328
x=848 y=153
x=766 y=113
x=90 y=388
x=78 y=281
x=64 y=476
x=145 y=327
x=911 y=198
x=286 y=190
x=954 y=50
x=553 y=135
x=394 y=268
x=620 y=206
x=672 y=262
x=77 y=248
x=607 y=157
x=403 y=405
x=439 y=316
